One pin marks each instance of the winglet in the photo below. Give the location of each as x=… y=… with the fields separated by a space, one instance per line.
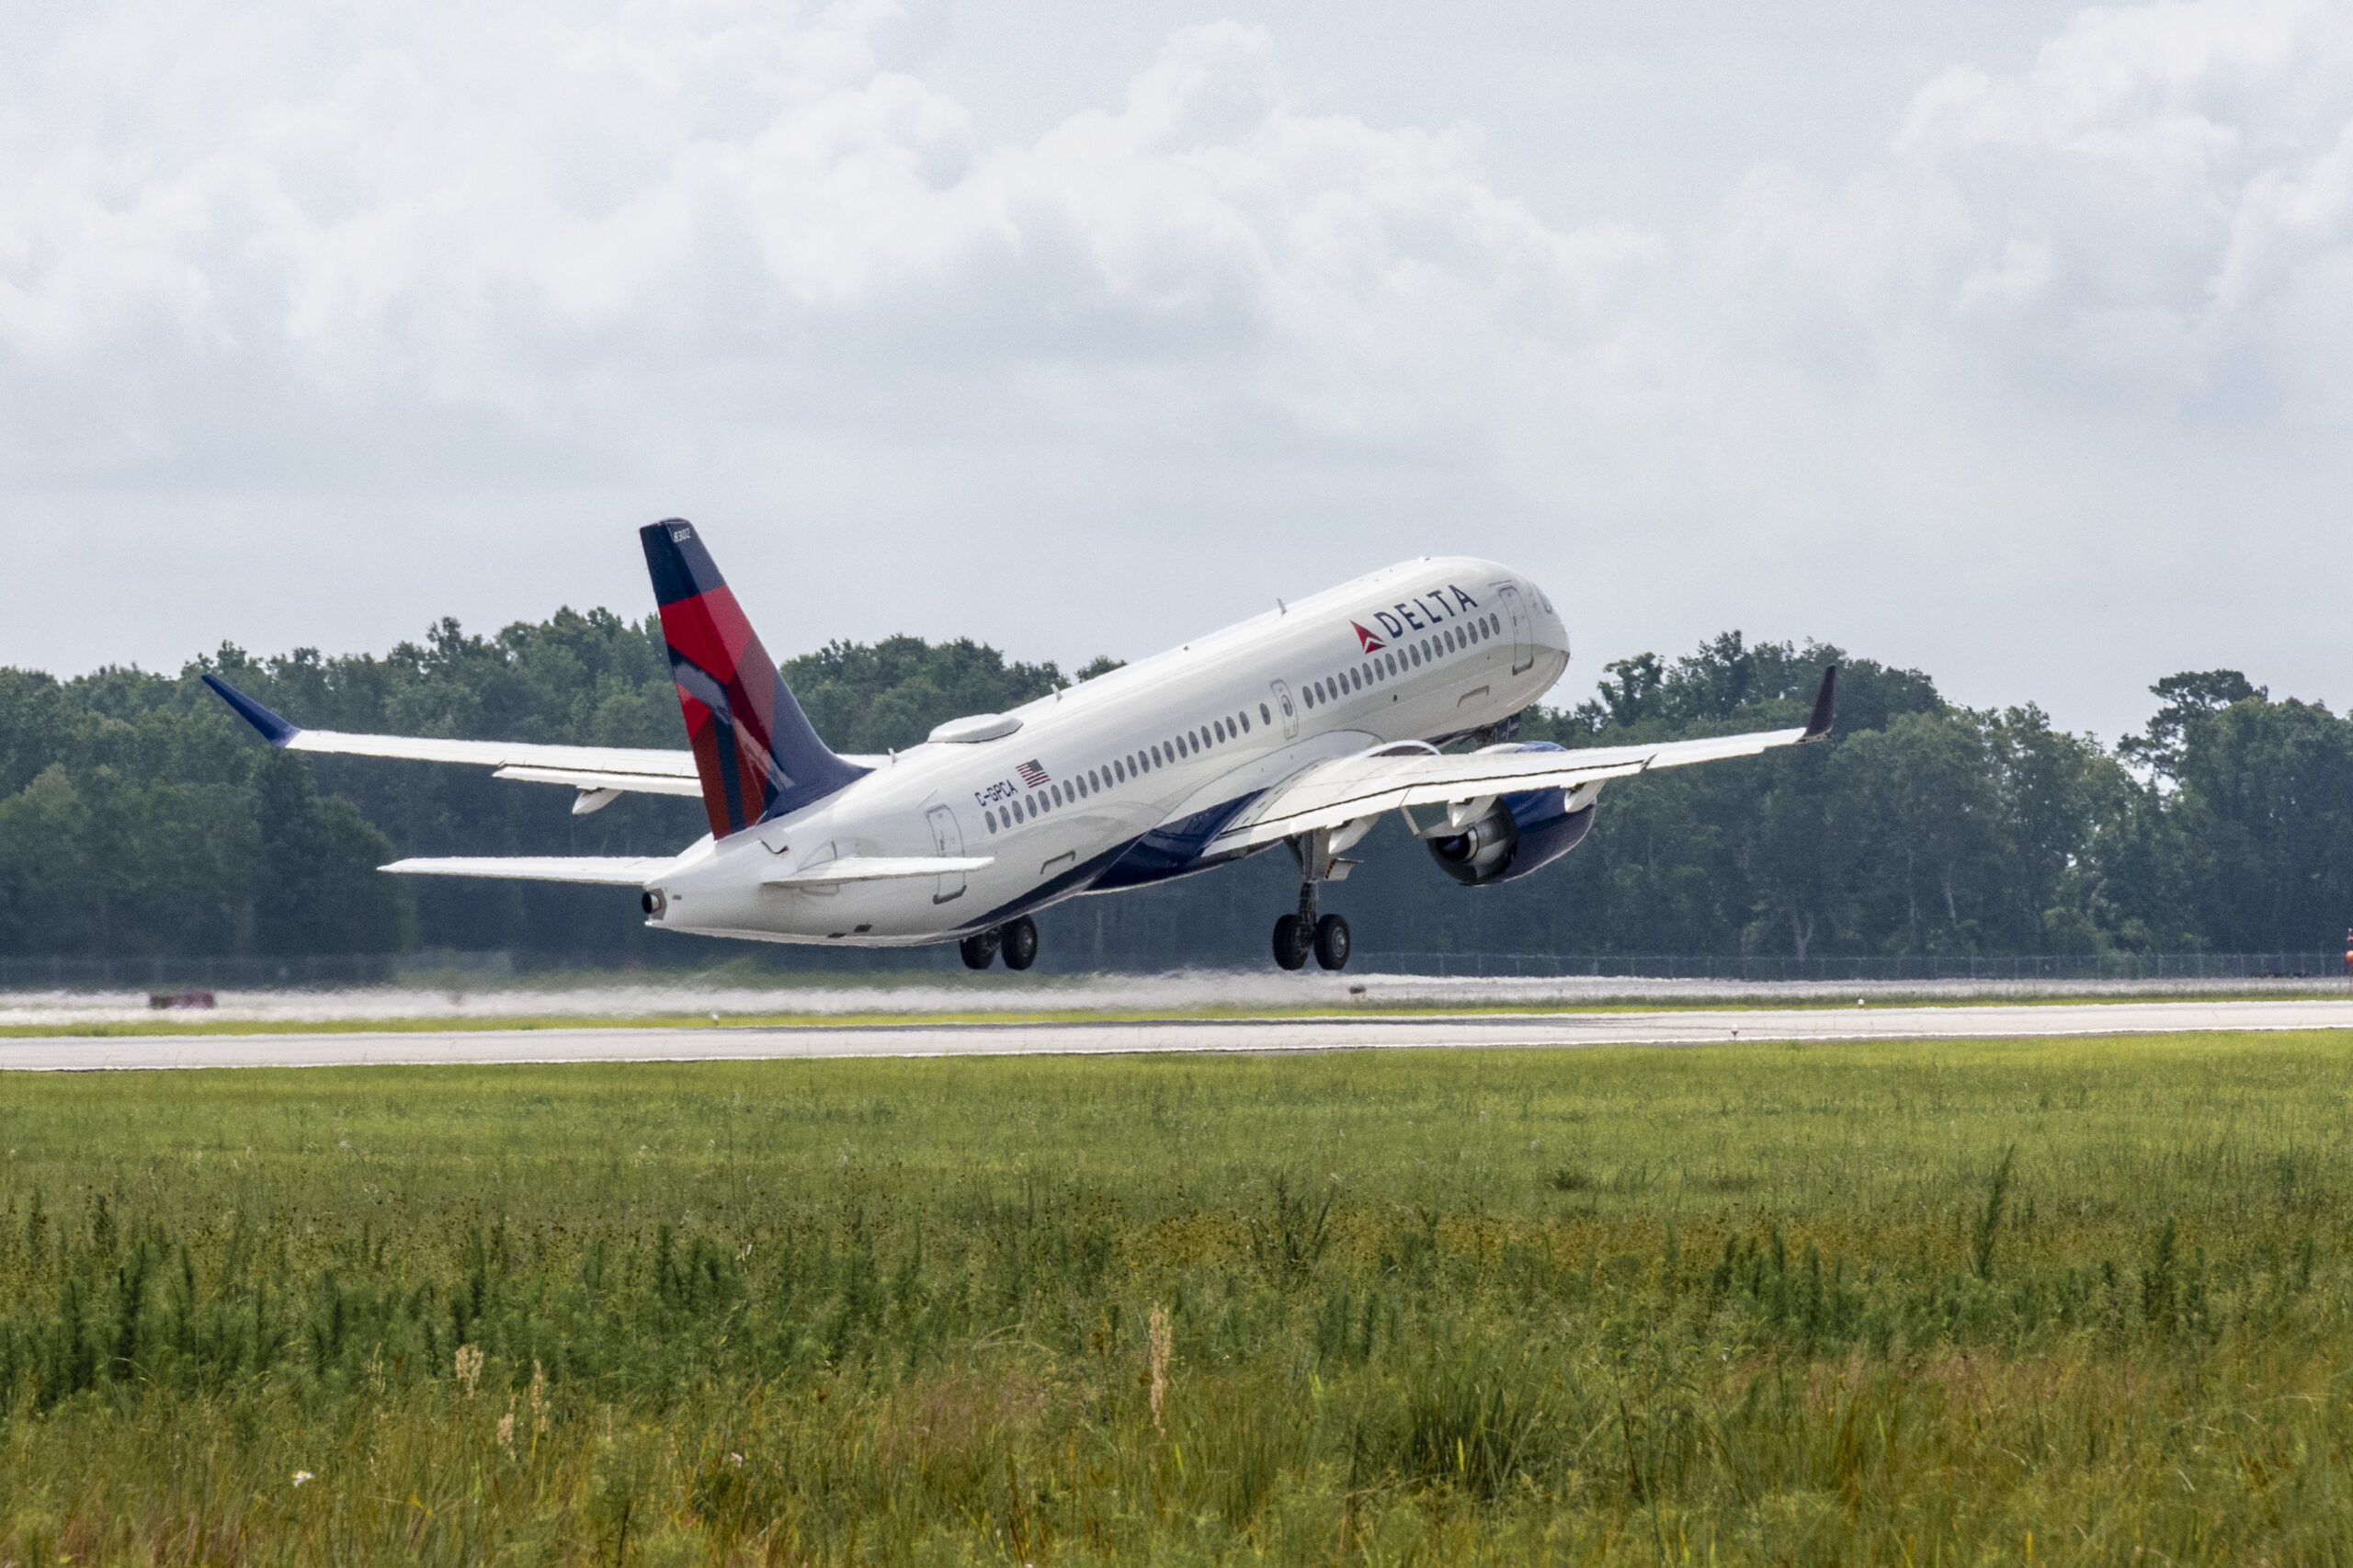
x=1825 y=708
x=274 y=730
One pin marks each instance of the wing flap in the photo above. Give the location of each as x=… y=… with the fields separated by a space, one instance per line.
x=878 y=868
x=609 y=870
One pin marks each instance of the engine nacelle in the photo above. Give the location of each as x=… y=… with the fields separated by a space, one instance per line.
x=1515 y=835
x=1480 y=852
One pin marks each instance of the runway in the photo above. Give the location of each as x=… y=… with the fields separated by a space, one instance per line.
x=1336 y=1032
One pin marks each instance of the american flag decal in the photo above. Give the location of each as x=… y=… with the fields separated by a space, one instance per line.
x=1032 y=775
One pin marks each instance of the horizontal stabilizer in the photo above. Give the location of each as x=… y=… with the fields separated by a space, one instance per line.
x=611 y=870
x=877 y=868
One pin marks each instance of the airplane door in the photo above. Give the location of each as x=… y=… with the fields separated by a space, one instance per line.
x=1523 y=645
x=1283 y=707
x=949 y=840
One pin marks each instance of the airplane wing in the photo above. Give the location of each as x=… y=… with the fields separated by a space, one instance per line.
x=600 y=773
x=1332 y=794
x=610 y=870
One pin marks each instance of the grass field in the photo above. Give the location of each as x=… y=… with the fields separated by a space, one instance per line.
x=2082 y=1300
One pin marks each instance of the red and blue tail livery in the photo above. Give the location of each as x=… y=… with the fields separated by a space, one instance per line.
x=756 y=752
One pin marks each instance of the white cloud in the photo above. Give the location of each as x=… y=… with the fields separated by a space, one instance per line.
x=2103 y=226
x=508 y=256
x=476 y=222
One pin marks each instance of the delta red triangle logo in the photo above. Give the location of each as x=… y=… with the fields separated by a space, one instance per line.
x=1371 y=644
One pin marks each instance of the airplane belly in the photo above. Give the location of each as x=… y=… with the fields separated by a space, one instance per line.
x=897 y=911
x=1039 y=863
x=861 y=911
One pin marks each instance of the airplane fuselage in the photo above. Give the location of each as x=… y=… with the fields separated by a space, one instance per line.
x=1123 y=779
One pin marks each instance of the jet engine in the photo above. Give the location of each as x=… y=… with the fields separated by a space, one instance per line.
x=1482 y=852
x=1515 y=835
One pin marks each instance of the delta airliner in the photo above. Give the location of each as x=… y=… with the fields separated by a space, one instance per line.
x=1302 y=727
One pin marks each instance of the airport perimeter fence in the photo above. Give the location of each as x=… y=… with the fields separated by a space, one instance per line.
x=472 y=970
x=1918 y=967
x=247 y=973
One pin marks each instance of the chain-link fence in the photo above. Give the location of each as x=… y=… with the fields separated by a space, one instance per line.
x=478 y=969
x=2032 y=966
x=247 y=973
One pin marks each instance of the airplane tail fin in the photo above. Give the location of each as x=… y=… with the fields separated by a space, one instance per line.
x=755 y=748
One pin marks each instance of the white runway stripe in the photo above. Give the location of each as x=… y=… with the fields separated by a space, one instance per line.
x=63 y=1053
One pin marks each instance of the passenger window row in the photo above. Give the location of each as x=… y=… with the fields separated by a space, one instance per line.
x=1395 y=662
x=1120 y=769
x=1386 y=665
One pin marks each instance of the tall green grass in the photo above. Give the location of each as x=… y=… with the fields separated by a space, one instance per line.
x=2086 y=1301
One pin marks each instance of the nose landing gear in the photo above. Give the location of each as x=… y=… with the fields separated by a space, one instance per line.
x=1017 y=940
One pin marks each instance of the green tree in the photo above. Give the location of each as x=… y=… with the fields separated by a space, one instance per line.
x=2131 y=892
x=1629 y=690
x=39 y=723
x=2183 y=699
x=2052 y=790
x=1743 y=856
x=2265 y=813
x=316 y=886
x=890 y=696
x=1799 y=866
x=137 y=815
x=47 y=897
x=1918 y=802
x=173 y=865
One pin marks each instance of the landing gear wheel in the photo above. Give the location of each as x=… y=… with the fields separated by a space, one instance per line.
x=1332 y=942
x=979 y=950
x=1017 y=940
x=1292 y=937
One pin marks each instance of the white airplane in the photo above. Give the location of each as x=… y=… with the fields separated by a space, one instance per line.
x=1301 y=727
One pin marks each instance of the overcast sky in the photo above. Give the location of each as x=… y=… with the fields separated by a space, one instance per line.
x=2007 y=340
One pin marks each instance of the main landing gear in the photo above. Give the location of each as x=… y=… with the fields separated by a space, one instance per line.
x=1015 y=939
x=1298 y=935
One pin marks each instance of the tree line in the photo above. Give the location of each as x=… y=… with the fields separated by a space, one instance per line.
x=139 y=816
